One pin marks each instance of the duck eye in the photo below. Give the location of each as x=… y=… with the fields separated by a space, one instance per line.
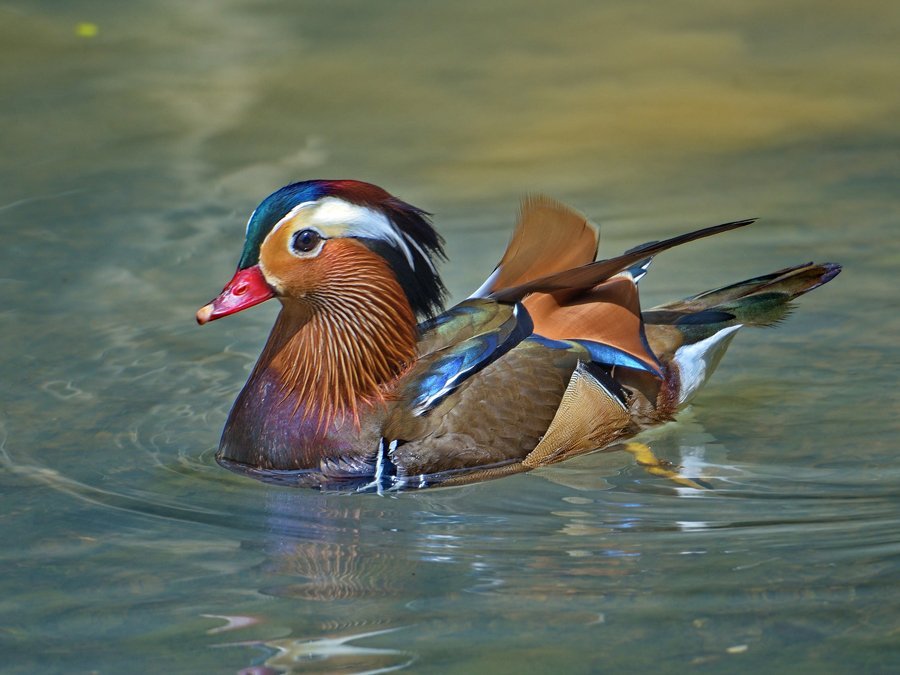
x=305 y=241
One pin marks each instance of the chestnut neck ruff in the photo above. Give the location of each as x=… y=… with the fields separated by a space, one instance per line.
x=340 y=348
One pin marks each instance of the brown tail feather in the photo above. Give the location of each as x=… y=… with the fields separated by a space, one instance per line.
x=790 y=282
x=761 y=301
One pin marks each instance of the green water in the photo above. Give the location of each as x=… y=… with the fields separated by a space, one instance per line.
x=129 y=162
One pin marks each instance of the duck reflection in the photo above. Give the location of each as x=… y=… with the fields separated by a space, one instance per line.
x=332 y=571
x=350 y=569
x=342 y=573
x=332 y=547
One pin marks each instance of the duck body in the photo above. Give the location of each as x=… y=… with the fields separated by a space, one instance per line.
x=365 y=383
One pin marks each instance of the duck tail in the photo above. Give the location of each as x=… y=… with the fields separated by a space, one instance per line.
x=761 y=301
x=693 y=334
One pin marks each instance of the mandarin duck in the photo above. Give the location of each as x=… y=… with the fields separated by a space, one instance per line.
x=367 y=383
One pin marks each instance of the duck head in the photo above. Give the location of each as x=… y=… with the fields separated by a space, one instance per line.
x=353 y=268
x=309 y=240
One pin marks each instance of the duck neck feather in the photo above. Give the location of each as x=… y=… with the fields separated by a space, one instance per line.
x=337 y=351
x=330 y=364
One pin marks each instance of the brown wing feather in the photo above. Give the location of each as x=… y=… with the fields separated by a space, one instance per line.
x=609 y=313
x=496 y=417
x=588 y=276
x=549 y=237
x=589 y=417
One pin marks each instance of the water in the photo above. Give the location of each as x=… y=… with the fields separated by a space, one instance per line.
x=130 y=161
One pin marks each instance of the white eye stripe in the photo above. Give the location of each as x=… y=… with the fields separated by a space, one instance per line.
x=290 y=216
x=359 y=221
x=332 y=217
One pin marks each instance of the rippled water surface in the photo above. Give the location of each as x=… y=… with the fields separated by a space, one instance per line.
x=137 y=137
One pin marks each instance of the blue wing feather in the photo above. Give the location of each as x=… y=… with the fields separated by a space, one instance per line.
x=599 y=353
x=453 y=365
x=444 y=370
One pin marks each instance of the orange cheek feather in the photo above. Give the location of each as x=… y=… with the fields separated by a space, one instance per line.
x=292 y=275
x=342 y=264
x=357 y=332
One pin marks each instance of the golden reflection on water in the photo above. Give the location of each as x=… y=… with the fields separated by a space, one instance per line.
x=565 y=98
x=472 y=100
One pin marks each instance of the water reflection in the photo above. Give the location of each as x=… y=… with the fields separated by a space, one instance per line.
x=324 y=553
x=331 y=655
